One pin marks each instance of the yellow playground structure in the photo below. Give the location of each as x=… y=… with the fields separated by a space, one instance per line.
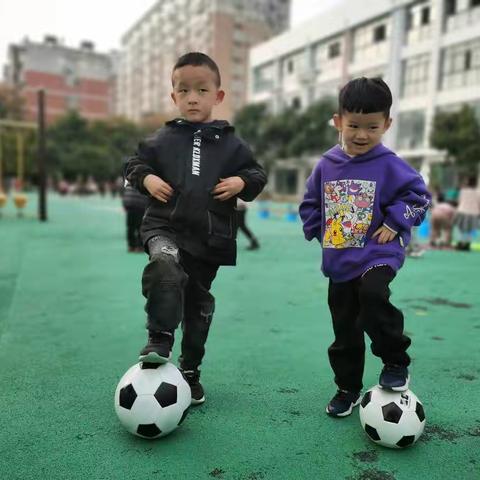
x=19 y=130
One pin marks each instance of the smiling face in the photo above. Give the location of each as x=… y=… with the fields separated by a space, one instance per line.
x=361 y=131
x=195 y=92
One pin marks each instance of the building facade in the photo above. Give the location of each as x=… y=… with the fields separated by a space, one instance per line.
x=223 y=29
x=428 y=51
x=73 y=78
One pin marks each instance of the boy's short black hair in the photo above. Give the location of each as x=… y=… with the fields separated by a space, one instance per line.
x=198 y=59
x=365 y=95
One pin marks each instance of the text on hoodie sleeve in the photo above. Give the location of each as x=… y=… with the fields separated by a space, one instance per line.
x=411 y=201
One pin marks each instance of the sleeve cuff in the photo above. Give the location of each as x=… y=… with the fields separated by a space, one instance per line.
x=140 y=186
x=390 y=228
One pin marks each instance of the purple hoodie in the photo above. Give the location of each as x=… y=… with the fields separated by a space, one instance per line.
x=348 y=198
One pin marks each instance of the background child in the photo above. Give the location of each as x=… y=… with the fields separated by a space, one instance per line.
x=193 y=169
x=468 y=212
x=242 y=210
x=134 y=204
x=360 y=203
x=441 y=220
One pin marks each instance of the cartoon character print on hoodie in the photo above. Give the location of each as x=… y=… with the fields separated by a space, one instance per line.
x=348 y=212
x=348 y=198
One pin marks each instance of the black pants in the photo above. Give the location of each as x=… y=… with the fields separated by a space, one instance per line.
x=358 y=306
x=241 y=222
x=176 y=286
x=134 y=222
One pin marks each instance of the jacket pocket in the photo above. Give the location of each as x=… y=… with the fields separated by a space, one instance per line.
x=221 y=221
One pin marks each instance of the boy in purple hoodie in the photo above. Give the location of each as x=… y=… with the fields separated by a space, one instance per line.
x=361 y=203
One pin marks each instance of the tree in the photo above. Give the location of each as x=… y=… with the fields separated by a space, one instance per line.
x=290 y=134
x=249 y=122
x=76 y=147
x=314 y=135
x=458 y=134
x=154 y=121
x=11 y=103
x=120 y=138
x=63 y=139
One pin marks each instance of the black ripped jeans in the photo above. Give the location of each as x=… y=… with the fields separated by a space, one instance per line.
x=358 y=306
x=177 y=288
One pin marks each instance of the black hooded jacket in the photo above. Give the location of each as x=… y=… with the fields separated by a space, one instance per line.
x=192 y=158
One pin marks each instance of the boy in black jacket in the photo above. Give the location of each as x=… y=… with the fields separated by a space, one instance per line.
x=194 y=169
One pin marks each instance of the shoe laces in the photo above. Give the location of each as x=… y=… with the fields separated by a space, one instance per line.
x=344 y=395
x=192 y=376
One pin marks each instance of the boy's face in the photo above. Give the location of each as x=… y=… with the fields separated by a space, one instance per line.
x=361 y=131
x=195 y=92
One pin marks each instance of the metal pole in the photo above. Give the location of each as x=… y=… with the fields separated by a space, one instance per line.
x=20 y=161
x=42 y=168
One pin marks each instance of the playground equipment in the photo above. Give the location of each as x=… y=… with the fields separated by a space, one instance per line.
x=3 y=201
x=3 y=197
x=19 y=197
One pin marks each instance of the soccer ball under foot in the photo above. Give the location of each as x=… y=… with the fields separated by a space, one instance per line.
x=152 y=400
x=392 y=419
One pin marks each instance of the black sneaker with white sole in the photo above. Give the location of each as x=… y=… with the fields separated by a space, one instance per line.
x=193 y=379
x=342 y=403
x=158 y=349
x=394 y=377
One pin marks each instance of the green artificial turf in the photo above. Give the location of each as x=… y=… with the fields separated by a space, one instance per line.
x=72 y=322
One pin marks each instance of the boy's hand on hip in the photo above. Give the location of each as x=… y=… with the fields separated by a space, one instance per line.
x=158 y=188
x=228 y=188
x=384 y=235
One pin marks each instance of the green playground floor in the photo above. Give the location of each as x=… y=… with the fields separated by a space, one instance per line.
x=71 y=323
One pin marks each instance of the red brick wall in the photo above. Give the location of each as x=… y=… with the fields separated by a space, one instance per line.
x=93 y=96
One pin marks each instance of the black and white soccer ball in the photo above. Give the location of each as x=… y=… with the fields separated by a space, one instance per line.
x=392 y=419
x=152 y=401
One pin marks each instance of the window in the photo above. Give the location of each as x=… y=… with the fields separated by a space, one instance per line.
x=411 y=130
x=334 y=50
x=70 y=76
x=474 y=3
x=468 y=60
x=72 y=102
x=296 y=103
x=415 y=76
x=409 y=21
x=263 y=78
x=461 y=65
x=379 y=34
x=425 y=18
x=369 y=42
x=451 y=7
x=290 y=66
